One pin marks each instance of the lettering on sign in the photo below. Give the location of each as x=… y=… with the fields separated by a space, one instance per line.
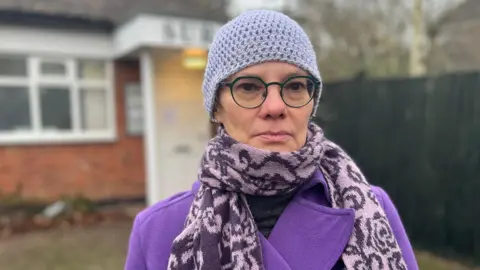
x=207 y=34
x=185 y=32
x=188 y=32
x=168 y=31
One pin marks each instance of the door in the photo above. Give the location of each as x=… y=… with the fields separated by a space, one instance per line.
x=183 y=137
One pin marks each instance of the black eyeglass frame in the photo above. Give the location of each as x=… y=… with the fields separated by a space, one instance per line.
x=230 y=85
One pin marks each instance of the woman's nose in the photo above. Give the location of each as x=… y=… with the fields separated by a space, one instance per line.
x=273 y=105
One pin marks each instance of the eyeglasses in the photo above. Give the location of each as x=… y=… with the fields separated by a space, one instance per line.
x=250 y=92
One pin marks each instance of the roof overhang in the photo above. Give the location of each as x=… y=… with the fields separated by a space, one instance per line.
x=31 y=40
x=156 y=31
x=54 y=21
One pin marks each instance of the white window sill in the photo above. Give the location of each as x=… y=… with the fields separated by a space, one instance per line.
x=56 y=138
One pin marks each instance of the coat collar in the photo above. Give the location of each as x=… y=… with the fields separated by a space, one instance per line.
x=319 y=183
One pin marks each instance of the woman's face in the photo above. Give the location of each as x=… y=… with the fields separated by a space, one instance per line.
x=273 y=126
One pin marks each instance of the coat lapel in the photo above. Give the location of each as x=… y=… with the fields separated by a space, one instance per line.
x=309 y=235
x=272 y=260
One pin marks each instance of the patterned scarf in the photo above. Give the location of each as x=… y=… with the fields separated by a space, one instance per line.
x=220 y=232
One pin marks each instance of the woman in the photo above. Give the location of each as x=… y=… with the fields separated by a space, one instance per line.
x=273 y=192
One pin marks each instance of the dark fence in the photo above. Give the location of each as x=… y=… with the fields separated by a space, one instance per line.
x=420 y=140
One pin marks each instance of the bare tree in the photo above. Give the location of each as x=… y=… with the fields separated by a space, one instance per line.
x=372 y=38
x=436 y=59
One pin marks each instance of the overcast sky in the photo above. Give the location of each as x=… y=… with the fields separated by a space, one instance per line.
x=238 y=6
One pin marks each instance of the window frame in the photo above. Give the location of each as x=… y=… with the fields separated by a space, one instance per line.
x=34 y=81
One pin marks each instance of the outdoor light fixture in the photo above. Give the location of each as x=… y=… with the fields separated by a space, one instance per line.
x=194 y=58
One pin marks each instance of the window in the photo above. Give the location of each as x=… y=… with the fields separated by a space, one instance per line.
x=133 y=109
x=91 y=70
x=55 y=108
x=54 y=69
x=93 y=113
x=13 y=66
x=14 y=108
x=51 y=99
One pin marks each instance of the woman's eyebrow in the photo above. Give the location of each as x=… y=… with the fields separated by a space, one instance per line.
x=285 y=77
x=246 y=75
x=293 y=74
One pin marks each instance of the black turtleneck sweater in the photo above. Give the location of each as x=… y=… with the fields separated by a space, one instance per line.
x=267 y=210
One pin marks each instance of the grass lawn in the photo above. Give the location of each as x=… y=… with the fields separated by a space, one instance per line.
x=428 y=261
x=99 y=248
x=103 y=248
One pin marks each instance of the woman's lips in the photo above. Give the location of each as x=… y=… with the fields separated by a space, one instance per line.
x=274 y=137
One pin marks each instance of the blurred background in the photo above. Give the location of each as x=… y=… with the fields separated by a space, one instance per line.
x=101 y=115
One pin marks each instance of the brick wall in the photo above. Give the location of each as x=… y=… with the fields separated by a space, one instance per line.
x=98 y=171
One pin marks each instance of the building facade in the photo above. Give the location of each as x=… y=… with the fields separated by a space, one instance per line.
x=103 y=98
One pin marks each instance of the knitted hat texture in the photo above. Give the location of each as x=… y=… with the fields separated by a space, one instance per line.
x=255 y=37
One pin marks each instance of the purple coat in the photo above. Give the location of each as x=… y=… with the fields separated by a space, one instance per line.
x=308 y=235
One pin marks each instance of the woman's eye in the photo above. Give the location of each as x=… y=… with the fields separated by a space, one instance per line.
x=296 y=86
x=249 y=87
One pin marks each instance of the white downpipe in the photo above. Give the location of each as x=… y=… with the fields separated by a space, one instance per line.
x=153 y=190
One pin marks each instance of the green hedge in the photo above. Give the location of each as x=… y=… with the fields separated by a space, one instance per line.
x=420 y=140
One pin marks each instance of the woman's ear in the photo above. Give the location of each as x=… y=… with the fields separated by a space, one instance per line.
x=217 y=114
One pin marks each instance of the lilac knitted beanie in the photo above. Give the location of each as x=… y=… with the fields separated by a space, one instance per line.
x=255 y=37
